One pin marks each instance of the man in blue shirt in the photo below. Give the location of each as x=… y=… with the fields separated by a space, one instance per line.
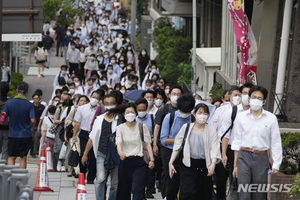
x=148 y=119
x=169 y=131
x=21 y=116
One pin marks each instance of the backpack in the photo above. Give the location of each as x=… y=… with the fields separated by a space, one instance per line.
x=41 y=55
x=233 y=115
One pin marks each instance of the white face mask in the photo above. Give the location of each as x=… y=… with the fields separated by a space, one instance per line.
x=158 y=102
x=226 y=103
x=105 y=56
x=122 y=65
x=55 y=103
x=68 y=33
x=128 y=42
x=245 y=99
x=103 y=82
x=150 y=103
x=63 y=72
x=94 y=101
x=174 y=99
x=71 y=91
x=122 y=91
x=72 y=47
x=77 y=84
x=256 y=104
x=167 y=91
x=201 y=119
x=184 y=115
x=110 y=71
x=113 y=61
x=236 y=100
x=153 y=71
x=109 y=107
x=105 y=45
x=142 y=114
x=148 y=88
x=143 y=53
x=130 y=117
x=129 y=48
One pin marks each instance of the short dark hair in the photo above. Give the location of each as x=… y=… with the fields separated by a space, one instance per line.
x=246 y=85
x=55 y=97
x=65 y=88
x=58 y=91
x=130 y=77
x=148 y=91
x=71 y=84
x=216 y=100
x=35 y=94
x=101 y=92
x=64 y=66
x=39 y=92
x=83 y=96
x=23 y=87
x=97 y=92
x=118 y=96
x=203 y=106
x=52 y=109
x=186 y=103
x=149 y=81
x=110 y=66
x=261 y=89
x=61 y=81
x=162 y=93
x=110 y=96
x=47 y=32
x=224 y=93
x=232 y=89
x=176 y=87
x=67 y=102
x=72 y=42
x=141 y=101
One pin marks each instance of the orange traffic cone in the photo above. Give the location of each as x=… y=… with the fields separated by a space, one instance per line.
x=81 y=192
x=49 y=158
x=42 y=182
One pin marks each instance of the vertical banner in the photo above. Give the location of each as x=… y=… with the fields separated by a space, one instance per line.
x=241 y=26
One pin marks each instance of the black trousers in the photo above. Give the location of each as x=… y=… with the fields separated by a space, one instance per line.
x=132 y=178
x=58 y=46
x=222 y=174
x=84 y=137
x=174 y=183
x=164 y=173
x=74 y=67
x=194 y=182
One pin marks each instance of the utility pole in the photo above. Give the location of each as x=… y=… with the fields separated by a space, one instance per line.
x=193 y=85
x=133 y=21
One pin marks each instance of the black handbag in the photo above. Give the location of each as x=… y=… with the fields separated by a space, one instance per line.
x=69 y=129
x=74 y=158
x=232 y=193
x=178 y=159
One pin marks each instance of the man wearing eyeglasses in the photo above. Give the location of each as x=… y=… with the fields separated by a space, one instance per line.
x=254 y=133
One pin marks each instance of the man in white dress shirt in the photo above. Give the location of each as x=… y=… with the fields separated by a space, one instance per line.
x=112 y=78
x=83 y=119
x=227 y=152
x=217 y=121
x=254 y=133
x=73 y=59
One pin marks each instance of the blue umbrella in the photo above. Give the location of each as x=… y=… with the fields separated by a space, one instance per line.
x=133 y=95
x=211 y=108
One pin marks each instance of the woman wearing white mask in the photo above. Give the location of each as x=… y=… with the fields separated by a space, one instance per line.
x=160 y=99
x=80 y=101
x=200 y=155
x=90 y=66
x=142 y=62
x=132 y=168
x=82 y=64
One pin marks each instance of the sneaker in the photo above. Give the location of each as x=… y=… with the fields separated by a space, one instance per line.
x=39 y=76
x=63 y=169
x=58 y=167
x=42 y=75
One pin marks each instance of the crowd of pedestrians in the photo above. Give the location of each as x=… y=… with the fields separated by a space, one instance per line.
x=159 y=139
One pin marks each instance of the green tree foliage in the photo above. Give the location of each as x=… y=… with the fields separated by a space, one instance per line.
x=141 y=8
x=173 y=51
x=68 y=13
x=16 y=78
x=291 y=152
x=295 y=189
x=216 y=91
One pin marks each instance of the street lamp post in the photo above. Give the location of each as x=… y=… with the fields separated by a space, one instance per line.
x=193 y=85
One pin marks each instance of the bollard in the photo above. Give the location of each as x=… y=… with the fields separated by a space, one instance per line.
x=2 y=164
x=18 y=178
x=5 y=184
x=26 y=193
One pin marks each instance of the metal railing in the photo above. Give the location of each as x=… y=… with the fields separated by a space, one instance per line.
x=14 y=183
x=280 y=99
